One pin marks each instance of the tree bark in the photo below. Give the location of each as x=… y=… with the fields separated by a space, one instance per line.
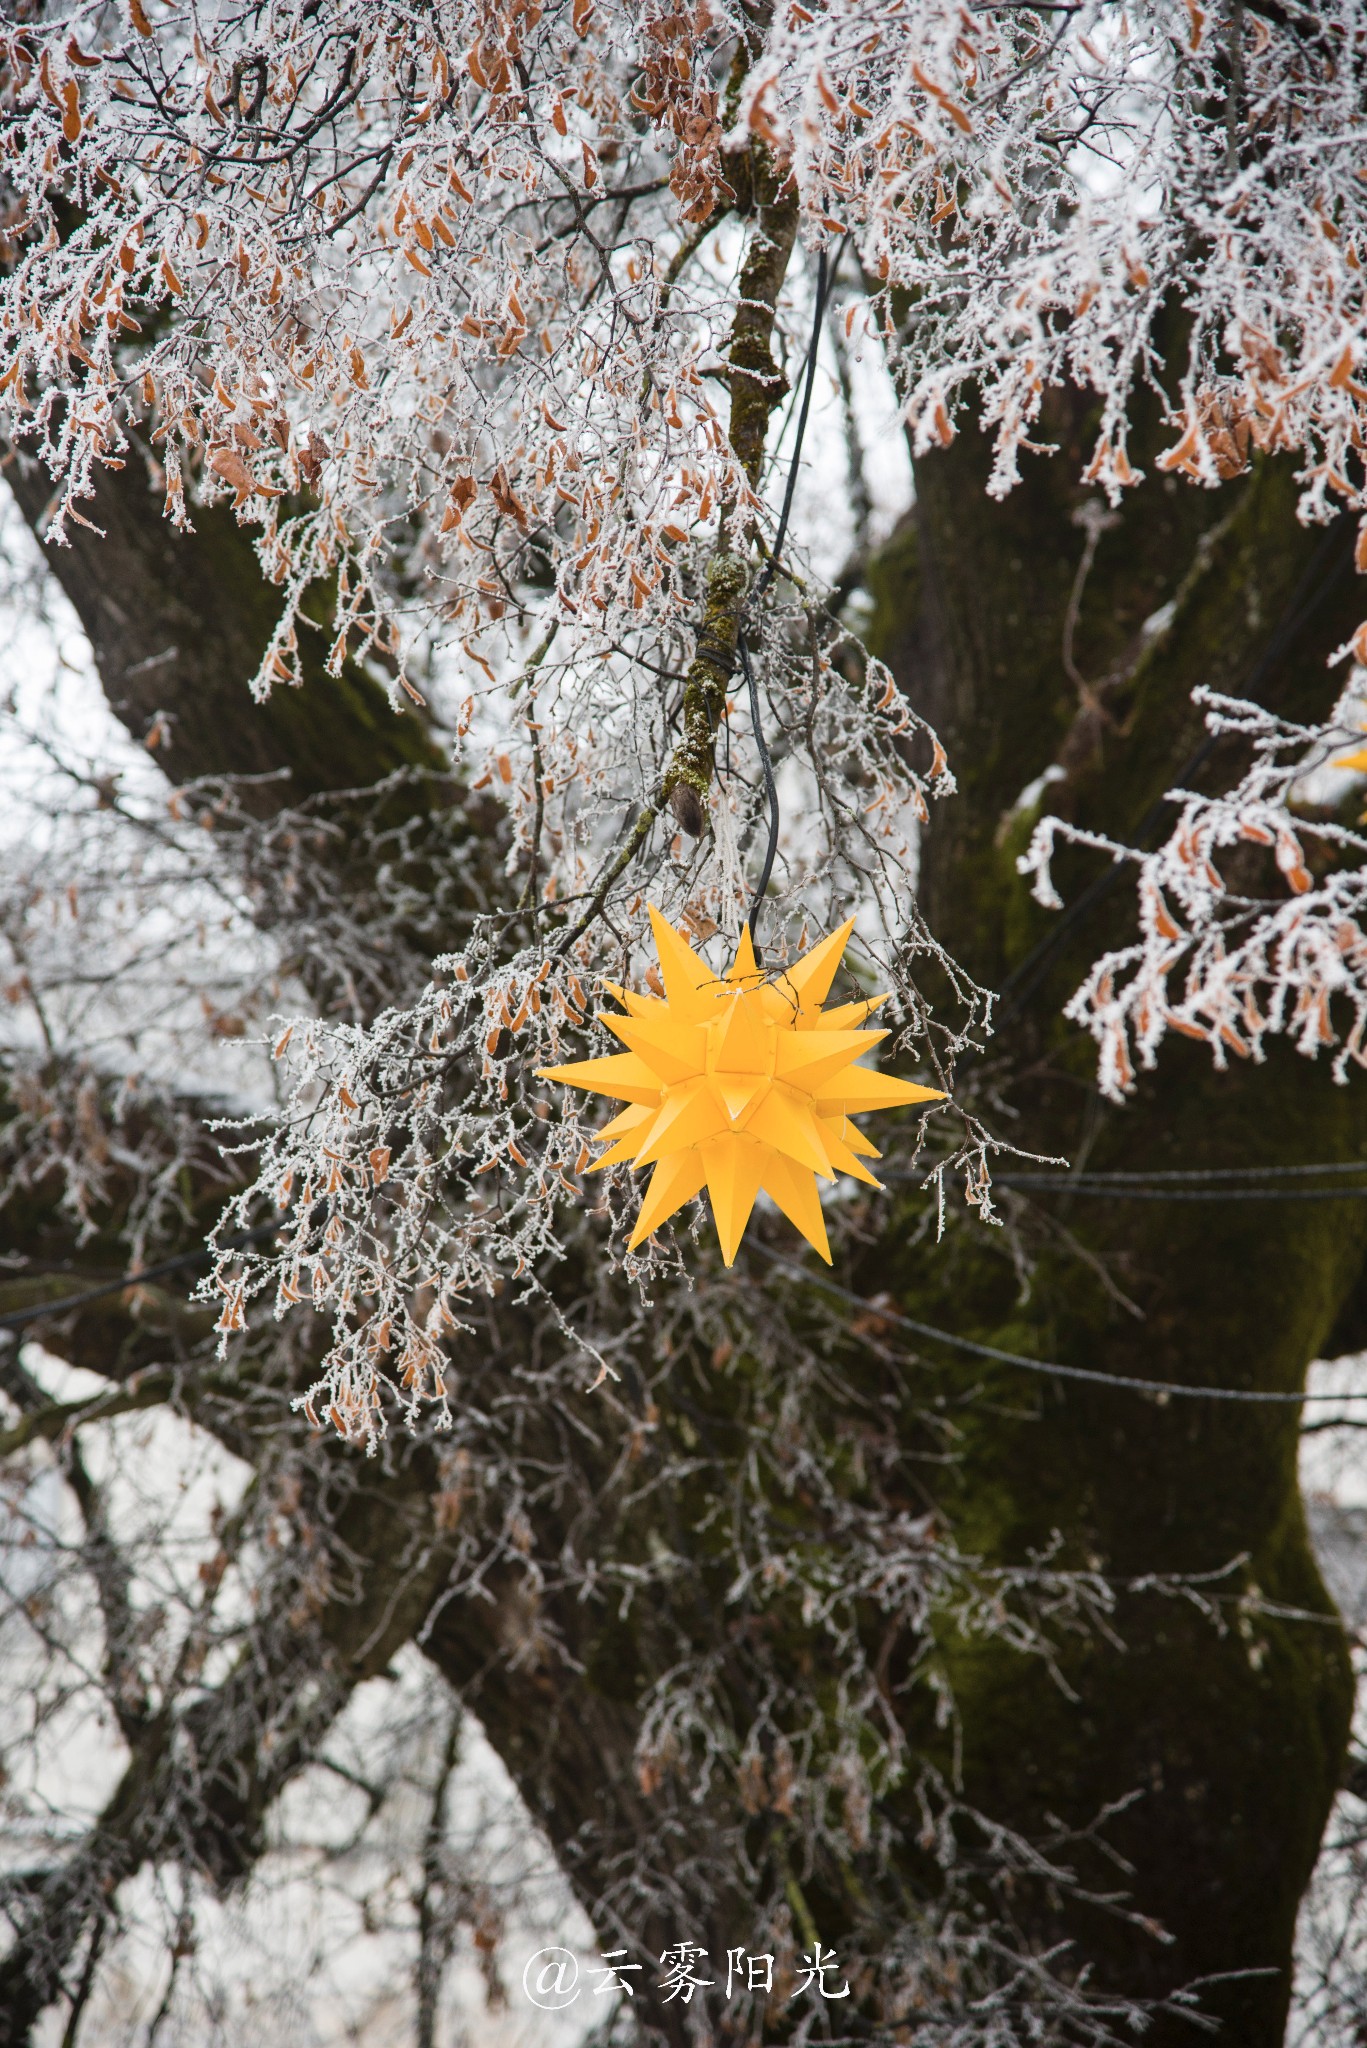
x=178 y=623
x=1232 y=1735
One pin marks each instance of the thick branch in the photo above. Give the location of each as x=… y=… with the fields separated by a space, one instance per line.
x=199 y=1781
x=757 y=385
x=178 y=623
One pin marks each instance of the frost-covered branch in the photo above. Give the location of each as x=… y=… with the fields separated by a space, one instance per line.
x=1234 y=948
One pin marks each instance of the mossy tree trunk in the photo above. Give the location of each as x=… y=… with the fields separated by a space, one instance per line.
x=1230 y=1734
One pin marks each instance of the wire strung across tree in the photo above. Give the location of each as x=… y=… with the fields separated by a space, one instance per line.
x=1183 y=1184
x=1161 y=1390
x=202 y=1255
x=1114 y=1185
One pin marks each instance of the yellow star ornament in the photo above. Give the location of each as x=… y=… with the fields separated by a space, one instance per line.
x=740 y=1084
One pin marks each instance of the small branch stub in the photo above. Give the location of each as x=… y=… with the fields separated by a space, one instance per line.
x=687 y=807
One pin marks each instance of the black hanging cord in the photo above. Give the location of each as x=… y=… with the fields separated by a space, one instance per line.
x=825 y=278
x=770 y=789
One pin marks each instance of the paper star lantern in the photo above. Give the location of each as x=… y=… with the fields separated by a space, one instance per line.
x=740 y=1084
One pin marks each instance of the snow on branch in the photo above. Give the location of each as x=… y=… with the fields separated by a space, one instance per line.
x=1250 y=915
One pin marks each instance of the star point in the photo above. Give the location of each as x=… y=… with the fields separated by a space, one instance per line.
x=740 y=1083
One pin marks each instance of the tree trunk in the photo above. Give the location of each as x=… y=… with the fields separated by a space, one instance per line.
x=178 y=623
x=1231 y=1731
x=1228 y=1725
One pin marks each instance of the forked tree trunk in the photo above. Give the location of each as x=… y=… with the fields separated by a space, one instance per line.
x=1231 y=1732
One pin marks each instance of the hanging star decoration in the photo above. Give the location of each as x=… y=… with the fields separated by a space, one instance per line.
x=740 y=1084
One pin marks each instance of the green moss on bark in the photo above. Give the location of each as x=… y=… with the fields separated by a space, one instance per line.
x=1227 y=1726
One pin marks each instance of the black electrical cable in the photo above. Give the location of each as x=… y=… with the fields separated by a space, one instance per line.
x=1213 y=1184
x=825 y=278
x=770 y=788
x=1181 y=1174
x=1163 y=1390
x=1065 y=1186
x=19 y=1318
